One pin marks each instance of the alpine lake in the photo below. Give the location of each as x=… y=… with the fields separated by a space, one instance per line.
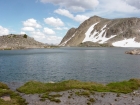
x=98 y=64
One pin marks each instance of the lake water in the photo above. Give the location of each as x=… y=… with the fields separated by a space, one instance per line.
x=87 y=64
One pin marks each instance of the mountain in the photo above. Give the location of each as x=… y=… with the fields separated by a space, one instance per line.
x=97 y=31
x=13 y=41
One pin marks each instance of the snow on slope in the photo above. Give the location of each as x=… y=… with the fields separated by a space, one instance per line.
x=63 y=44
x=126 y=43
x=87 y=38
x=97 y=36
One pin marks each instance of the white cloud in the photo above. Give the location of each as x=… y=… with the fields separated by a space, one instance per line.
x=64 y=12
x=58 y=28
x=78 y=18
x=74 y=5
x=31 y=23
x=77 y=9
x=48 y=31
x=65 y=28
x=135 y=3
x=22 y=32
x=118 y=6
x=61 y=28
x=28 y=29
x=53 y=39
x=42 y=37
x=3 y=31
x=115 y=9
x=56 y=22
x=44 y=34
x=38 y=35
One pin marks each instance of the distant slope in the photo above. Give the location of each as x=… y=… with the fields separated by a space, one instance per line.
x=124 y=32
x=19 y=42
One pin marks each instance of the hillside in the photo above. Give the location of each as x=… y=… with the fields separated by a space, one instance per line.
x=123 y=32
x=13 y=41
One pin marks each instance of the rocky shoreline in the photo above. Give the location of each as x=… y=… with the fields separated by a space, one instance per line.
x=133 y=52
x=97 y=98
x=79 y=96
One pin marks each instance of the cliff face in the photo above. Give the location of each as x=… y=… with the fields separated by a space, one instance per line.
x=19 y=42
x=123 y=32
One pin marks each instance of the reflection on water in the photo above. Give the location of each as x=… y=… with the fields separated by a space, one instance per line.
x=86 y=64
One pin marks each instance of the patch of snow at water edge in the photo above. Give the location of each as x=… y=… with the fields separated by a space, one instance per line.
x=97 y=36
x=63 y=44
x=88 y=33
x=126 y=43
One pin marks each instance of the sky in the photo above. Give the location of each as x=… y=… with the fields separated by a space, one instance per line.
x=48 y=21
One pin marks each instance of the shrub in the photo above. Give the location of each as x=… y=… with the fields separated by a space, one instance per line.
x=25 y=36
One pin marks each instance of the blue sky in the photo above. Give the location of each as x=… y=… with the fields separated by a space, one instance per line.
x=49 y=20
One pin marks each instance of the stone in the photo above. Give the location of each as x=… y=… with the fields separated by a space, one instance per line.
x=6 y=98
x=133 y=52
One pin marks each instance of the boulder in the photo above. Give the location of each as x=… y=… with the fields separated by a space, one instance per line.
x=133 y=52
x=6 y=98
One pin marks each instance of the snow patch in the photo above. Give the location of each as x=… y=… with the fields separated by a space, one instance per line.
x=63 y=44
x=97 y=36
x=126 y=43
x=88 y=33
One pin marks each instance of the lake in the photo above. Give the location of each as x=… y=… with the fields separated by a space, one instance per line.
x=86 y=64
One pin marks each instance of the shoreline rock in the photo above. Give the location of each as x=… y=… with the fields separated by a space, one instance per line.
x=133 y=52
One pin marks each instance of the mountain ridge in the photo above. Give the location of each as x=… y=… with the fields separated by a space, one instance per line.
x=121 y=32
x=21 y=41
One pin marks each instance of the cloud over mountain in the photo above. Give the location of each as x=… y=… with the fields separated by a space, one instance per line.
x=31 y=23
x=3 y=31
x=78 y=18
x=74 y=5
x=56 y=22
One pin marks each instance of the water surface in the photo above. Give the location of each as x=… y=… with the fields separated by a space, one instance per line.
x=86 y=64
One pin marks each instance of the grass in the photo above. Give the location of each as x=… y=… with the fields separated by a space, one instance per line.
x=51 y=97
x=33 y=87
x=124 y=86
x=92 y=100
x=15 y=98
x=7 y=49
x=83 y=93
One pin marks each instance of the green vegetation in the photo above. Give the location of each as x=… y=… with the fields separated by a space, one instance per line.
x=7 y=49
x=25 y=36
x=33 y=87
x=125 y=86
x=14 y=36
x=51 y=97
x=15 y=98
x=83 y=93
x=92 y=100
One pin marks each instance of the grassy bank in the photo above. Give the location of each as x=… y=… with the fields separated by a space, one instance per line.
x=33 y=87
x=15 y=99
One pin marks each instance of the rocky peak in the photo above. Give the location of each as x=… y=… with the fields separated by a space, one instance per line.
x=103 y=31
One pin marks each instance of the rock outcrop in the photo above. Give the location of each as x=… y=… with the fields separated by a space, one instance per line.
x=9 y=42
x=123 y=32
x=133 y=52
